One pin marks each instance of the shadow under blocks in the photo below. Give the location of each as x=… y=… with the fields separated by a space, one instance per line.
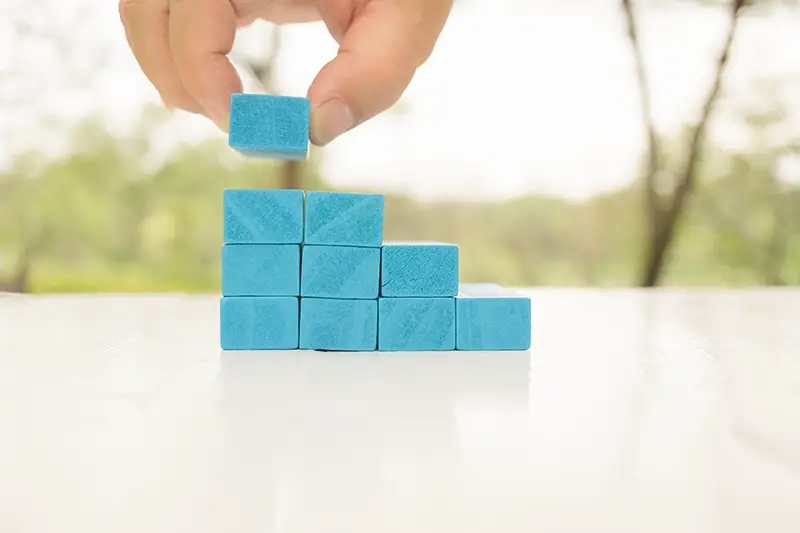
x=311 y=270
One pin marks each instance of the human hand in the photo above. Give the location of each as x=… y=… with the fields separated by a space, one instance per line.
x=182 y=47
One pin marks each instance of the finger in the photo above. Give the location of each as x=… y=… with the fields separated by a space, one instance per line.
x=201 y=34
x=379 y=54
x=147 y=31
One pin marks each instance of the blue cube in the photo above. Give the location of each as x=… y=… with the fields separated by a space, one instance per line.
x=261 y=270
x=344 y=219
x=416 y=324
x=490 y=317
x=338 y=325
x=264 y=125
x=424 y=270
x=340 y=272
x=259 y=323
x=263 y=216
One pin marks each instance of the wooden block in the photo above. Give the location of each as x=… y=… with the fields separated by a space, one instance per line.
x=416 y=324
x=490 y=317
x=259 y=323
x=340 y=272
x=338 y=325
x=263 y=125
x=419 y=269
x=263 y=216
x=261 y=270
x=344 y=219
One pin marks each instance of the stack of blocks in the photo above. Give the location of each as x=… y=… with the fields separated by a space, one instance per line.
x=311 y=270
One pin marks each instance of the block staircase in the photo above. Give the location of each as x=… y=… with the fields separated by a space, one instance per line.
x=311 y=271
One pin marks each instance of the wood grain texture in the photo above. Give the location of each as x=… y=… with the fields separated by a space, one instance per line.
x=253 y=216
x=416 y=324
x=260 y=270
x=256 y=323
x=425 y=270
x=338 y=325
x=340 y=272
x=269 y=126
x=490 y=317
x=344 y=219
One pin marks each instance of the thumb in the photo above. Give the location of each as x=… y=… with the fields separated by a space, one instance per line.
x=378 y=56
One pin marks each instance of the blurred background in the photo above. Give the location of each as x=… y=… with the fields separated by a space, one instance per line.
x=558 y=142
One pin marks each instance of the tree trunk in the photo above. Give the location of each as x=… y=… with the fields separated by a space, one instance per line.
x=291 y=174
x=664 y=211
x=263 y=71
x=19 y=282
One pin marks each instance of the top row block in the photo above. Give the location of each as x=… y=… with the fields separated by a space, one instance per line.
x=269 y=126
x=290 y=217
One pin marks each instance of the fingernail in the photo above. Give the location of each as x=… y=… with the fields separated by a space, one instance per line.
x=330 y=120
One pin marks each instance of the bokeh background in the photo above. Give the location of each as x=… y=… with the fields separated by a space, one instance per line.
x=558 y=142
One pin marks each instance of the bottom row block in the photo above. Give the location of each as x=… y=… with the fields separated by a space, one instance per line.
x=259 y=323
x=286 y=323
x=416 y=324
x=490 y=317
x=481 y=318
x=338 y=325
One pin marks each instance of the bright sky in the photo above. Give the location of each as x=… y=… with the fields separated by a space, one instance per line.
x=520 y=95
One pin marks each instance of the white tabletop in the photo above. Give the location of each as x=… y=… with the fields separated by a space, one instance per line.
x=672 y=412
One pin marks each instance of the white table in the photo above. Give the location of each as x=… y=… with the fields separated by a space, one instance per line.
x=672 y=412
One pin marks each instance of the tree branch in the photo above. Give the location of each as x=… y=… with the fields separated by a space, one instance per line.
x=653 y=151
x=262 y=70
x=665 y=221
x=689 y=174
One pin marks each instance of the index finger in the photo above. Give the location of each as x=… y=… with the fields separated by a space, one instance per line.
x=201 y=36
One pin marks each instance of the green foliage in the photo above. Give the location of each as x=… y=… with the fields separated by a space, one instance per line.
x=99 y=220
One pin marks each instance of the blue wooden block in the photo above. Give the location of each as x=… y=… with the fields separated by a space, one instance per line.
x=264 y=125
x=416 y=324
x=338 y=325
x=259 y=323
x=344 y=219
x=427 y=270
x=340 y=272
x=490 y=317
x=261 y=270
x=263 y=216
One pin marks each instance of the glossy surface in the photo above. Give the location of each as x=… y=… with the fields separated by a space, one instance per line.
x=632 y=412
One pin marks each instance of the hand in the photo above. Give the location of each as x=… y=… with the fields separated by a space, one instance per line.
x=182 y=47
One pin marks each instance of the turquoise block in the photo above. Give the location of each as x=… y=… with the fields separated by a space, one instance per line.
x=416 y=324
x=344 y=219
x=338 y=325
x=490 y=317
x=258 y=323
x=427 y=270
x=253 y=216
x=261 y=270
x=263 y=125
x=340 y=272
